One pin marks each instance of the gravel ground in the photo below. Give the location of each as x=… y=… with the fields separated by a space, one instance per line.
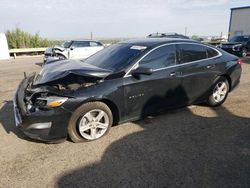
x=191 y=147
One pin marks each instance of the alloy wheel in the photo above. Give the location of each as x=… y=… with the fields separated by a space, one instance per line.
x=244 y=53
x=93 y=124
x=220 y=91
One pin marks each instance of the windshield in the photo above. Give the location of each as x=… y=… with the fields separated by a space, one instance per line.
x=66 y=44
x=116 y=57
x=239 y=39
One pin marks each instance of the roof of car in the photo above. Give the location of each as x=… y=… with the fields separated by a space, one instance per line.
x=152 y=42
x=83 y=40
x=167 y=35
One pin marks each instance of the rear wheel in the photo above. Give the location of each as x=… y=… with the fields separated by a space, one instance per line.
x=90 y=122
x=219 y=92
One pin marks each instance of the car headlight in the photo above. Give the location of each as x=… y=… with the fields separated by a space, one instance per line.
x=53 y=101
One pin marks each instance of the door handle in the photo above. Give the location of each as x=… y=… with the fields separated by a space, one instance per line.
x=172 y=74
x=210 y=66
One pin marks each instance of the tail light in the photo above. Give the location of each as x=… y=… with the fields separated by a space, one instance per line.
x=239 y=61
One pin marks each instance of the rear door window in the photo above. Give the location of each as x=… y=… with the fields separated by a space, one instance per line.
x=161 y=57
x=211 y=52
x=191 y=52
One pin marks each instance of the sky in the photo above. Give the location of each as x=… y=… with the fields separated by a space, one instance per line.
x=65 y=19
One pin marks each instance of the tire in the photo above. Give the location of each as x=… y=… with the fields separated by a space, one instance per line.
x=219 y=92
x=244 y=53
x=84 y=124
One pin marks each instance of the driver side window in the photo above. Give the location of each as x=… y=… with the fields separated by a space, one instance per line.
x=160 y=58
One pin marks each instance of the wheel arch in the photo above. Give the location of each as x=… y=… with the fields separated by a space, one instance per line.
x=228 y=79
x=112 y=106
x=114 y=109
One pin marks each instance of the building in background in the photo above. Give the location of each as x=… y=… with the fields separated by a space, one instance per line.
x=239 y=21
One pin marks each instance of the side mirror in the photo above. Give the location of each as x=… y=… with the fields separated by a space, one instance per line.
x=141 y=70
x=72 y=48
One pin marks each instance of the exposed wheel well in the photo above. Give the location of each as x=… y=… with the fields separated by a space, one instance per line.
x=228 y=79
x=114 y=110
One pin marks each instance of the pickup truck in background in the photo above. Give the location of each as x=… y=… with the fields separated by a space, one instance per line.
x=237 y=45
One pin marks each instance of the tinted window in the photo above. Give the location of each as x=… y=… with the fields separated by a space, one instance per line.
x=211 y=52
x=191 y=52
x=79 y=44
x=115 y=57
x=159 y=58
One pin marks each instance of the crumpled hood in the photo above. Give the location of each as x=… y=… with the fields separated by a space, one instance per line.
x=60 y=69
x=58 y=47
x=49 y=50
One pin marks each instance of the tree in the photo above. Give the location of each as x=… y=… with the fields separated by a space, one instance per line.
x=18 y=38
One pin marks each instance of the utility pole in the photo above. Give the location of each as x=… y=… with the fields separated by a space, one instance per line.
x=91 y=35
x=185 y=31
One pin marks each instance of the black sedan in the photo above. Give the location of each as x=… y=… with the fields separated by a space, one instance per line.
x=124 y=82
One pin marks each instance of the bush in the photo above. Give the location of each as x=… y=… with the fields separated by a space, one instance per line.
x=20 y=39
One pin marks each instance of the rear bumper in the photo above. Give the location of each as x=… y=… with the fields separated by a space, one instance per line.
x=46 y=125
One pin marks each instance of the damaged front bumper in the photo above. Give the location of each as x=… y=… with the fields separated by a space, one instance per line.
x=47 y=125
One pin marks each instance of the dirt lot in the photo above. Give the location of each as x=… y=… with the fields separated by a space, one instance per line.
x=192 y=147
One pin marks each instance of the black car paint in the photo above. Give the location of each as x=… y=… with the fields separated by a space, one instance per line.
x=131 y=98
x=229 y=46
x=63 y=68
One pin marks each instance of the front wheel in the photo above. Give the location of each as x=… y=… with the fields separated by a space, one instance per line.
x=219 y=92
x=244 y=52
x=90 y=122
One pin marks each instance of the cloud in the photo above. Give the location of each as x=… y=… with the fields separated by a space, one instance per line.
x=205 y=3
x=59 y=18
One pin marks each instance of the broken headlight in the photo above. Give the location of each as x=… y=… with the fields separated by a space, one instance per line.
x=51 y=101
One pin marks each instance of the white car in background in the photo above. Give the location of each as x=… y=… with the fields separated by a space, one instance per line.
x=74 y=49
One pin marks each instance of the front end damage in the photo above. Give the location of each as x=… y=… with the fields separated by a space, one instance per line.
x=43 y=111
x=44 y=103
x=35 y=117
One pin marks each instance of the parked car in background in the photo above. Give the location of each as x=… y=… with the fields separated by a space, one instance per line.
x=124 y=82
x=167 y=35
x=237 y=45
x=74 y=49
